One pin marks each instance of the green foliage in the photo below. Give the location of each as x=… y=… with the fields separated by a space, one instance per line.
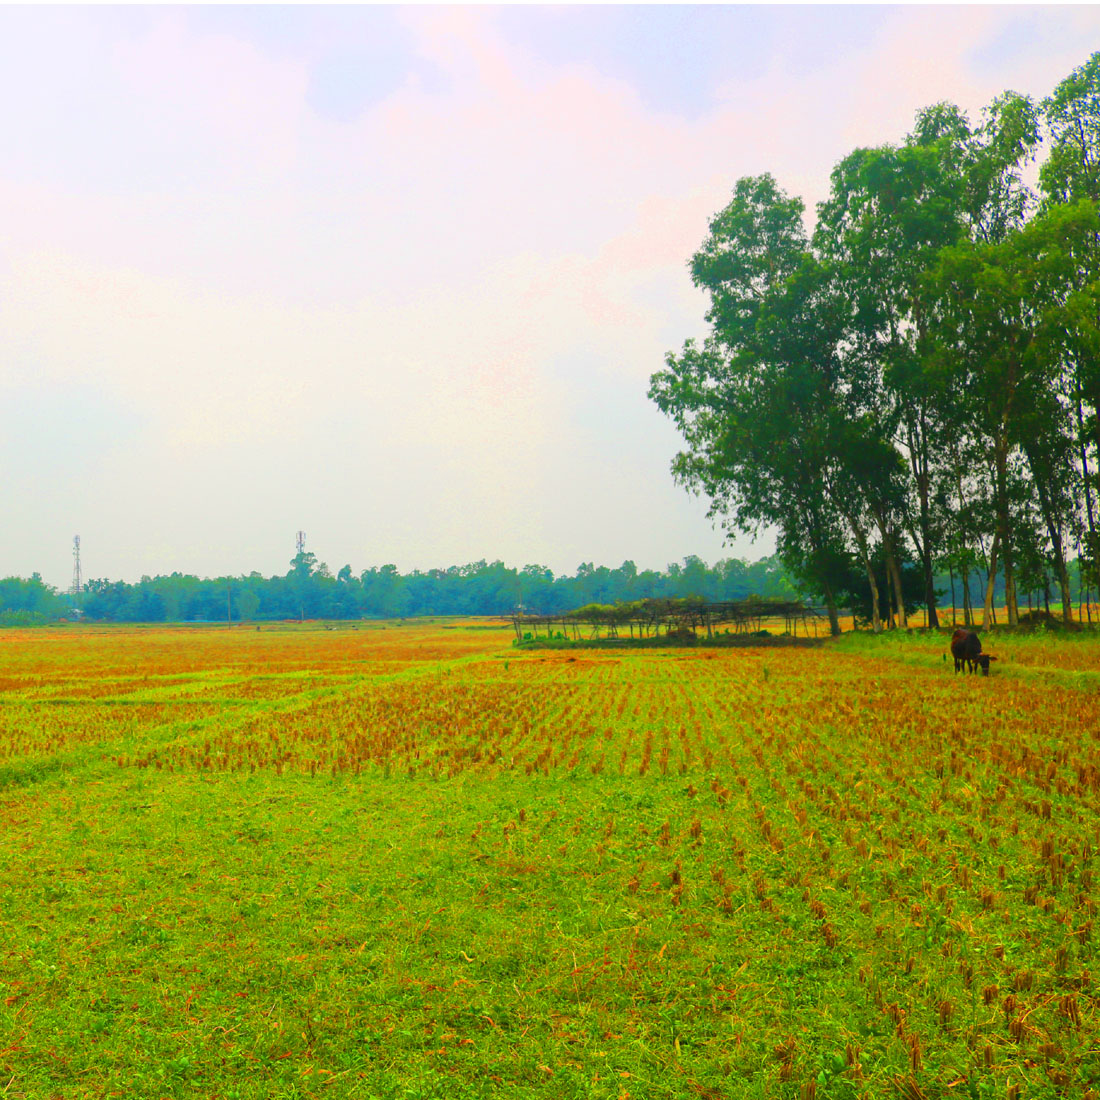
x=920 y=381
x=25 y=602
x=22 y=618
x=310 y=591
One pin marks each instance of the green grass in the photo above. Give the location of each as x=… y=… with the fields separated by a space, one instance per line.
x=622 y=875
x=256 y=937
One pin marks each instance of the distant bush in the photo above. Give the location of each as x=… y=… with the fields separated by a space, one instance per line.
x=22 y=618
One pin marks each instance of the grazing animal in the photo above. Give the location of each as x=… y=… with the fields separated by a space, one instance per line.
x=966 y=648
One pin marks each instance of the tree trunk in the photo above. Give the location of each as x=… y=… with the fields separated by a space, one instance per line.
x=1095 y=397
x=967 y=602
x=1090 y=541
x=1067 y=594
x=899 y=596
x=987 y=610
x=929 y=590
x=893 y=577
x=1062 y=571
x=1012 y=607
x=1082 y=592
x=865 y=553
x=893 y=573
x=1004 y=531
x=1085 y=470
x=876 y=617
x=830 y=607
x=925 y=554
x=951 y=574
x=1046 y=506
x=919 y=463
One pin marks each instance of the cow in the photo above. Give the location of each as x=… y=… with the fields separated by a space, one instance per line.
x=966 y=648
x=961 y=643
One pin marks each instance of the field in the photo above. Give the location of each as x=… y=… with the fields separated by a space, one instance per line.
x=413 y=861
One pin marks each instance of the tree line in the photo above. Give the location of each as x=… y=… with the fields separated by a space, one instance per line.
x=310 y=590
x=912 y=386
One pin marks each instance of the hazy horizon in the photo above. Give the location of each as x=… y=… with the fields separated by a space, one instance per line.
x=359 y=568
x=398 y=277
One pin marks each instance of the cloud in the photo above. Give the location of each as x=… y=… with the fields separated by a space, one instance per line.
x=416 y=312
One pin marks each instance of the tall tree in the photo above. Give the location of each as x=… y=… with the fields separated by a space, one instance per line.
x=1070 y=176
x=751 y=402
x=1000 y=327
x=890 y=212
x=887 y=214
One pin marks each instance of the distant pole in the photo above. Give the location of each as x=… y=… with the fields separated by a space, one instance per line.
x=228 y=604
x=300 y=542
x=78 y=580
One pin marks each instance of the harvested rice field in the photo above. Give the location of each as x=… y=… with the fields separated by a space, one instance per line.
x=412 y=860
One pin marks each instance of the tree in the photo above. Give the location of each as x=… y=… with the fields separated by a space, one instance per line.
x=749 y=400
x=1070 y=177
x=890 y=212
x=1001 y=328
x=1072 y=113
x=301 y=581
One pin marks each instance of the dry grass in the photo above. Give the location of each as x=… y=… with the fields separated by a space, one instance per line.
x=415 y=861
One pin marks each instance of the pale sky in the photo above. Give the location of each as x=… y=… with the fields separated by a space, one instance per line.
x=398 y=277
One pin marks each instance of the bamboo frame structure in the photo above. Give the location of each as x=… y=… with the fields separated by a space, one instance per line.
x=646 y=618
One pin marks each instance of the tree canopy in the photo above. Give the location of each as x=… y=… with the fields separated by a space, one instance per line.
x=309 y=590
x=913 y=388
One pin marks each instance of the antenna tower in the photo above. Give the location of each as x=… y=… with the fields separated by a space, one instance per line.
x=78 y=580
x=300 y=542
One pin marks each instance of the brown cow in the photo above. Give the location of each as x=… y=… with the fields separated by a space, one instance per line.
x=966 y=648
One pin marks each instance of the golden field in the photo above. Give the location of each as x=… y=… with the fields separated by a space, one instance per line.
x=411 y=859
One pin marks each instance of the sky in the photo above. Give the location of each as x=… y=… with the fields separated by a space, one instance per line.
x=398 y=276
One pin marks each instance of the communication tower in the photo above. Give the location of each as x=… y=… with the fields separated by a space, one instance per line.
x=300 y=541
x=78 y=580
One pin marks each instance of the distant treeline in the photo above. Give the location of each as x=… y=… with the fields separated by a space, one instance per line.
x=310 y=590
